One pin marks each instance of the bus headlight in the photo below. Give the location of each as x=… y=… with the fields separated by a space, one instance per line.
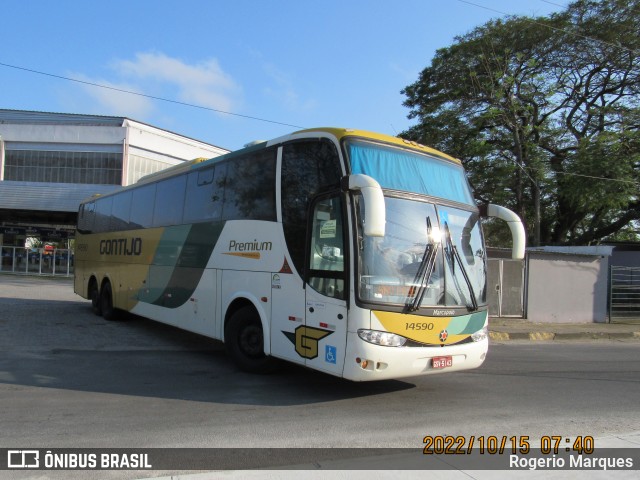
x=480 y=335
x=382 y=338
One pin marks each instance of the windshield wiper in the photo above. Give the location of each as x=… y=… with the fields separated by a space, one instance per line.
x=451 y=252
x=421 y=280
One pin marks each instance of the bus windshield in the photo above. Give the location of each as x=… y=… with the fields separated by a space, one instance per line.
x=431 y=256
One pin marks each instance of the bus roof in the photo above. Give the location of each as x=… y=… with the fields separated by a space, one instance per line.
x=338 y=133
x=341 y=133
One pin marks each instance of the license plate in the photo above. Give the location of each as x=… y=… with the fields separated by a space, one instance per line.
x=442 y=362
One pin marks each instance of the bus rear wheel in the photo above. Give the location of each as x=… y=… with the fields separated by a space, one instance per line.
x=244 y=340
x=106 y=302
x=94 y=295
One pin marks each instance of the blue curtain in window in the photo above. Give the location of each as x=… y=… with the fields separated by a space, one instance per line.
x=402 y=170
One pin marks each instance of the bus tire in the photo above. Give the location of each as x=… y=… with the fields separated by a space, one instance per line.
x=106 y=302
x=244 y=340
x=94 y=295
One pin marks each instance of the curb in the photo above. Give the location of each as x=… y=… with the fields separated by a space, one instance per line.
x=568 y=336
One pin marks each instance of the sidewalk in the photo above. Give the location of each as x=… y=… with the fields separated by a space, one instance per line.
x=507 y=329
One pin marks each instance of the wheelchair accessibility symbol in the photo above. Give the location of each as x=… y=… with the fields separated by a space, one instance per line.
x=330 y=354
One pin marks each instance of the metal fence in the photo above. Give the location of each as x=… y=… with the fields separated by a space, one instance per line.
x=624 y=294
x=505 y=288
x=36 y=261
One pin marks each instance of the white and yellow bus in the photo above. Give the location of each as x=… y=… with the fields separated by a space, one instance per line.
x=350 y=252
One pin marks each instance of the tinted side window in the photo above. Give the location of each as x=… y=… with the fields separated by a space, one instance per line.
x=308 y=168
x=169 y=201
x=103 y=214
x=201 y=201
x=250 y=187
x=121 y=210
x=142 y=206
x=86 y=217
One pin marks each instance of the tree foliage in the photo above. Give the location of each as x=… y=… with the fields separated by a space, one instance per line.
x=545 y=115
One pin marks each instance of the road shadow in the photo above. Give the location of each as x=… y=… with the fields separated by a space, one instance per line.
x=63 y=345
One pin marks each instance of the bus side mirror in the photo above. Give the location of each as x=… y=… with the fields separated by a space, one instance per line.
x=514 y=223
x=374 y=210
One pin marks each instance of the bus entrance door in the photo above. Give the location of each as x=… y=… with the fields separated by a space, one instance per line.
x=326 y=309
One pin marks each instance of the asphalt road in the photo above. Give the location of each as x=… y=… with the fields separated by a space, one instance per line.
x=71 y=379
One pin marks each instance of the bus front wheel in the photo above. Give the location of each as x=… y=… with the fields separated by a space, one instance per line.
x=244 y=340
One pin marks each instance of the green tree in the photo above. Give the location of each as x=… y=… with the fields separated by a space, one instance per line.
x=544 y=114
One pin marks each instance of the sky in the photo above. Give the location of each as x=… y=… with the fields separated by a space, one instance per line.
x=275 y=66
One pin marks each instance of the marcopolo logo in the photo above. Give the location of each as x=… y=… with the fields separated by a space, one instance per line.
x=248 y=249
x=121 y=246
x=447 y=313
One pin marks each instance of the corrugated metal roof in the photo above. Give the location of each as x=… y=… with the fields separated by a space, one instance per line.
x=29 y=117
x=48 y=118
x=48 y=197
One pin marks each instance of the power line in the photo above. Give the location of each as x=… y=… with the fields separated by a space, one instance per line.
x=597 y=178
x=535 y=182
x=552 y=3
x=153 y=97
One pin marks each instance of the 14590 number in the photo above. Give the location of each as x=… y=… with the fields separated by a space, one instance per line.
x=419 y=326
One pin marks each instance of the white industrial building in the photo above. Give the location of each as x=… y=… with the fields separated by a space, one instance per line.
x=50 y=162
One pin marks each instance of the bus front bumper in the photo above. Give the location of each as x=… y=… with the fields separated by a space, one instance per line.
x=365 y=361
